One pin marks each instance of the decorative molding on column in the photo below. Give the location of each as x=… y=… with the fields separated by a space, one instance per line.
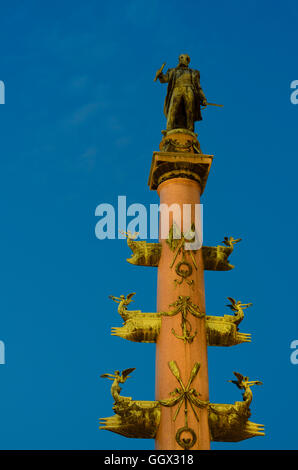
x=176 y=242
x=187 y=396
x=144 y=327
x=184 y=306
x=168 y=165
x=140 y=419
x=180 y=140
x=215 y=258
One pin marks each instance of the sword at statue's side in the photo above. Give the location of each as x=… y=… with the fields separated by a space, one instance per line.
x=214 y=104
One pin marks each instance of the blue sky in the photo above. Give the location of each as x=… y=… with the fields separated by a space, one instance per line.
x=81 y=120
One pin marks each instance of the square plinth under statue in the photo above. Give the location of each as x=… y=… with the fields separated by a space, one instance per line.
x=168 y=165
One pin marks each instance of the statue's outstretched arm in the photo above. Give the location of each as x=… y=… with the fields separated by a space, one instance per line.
x=164 y=77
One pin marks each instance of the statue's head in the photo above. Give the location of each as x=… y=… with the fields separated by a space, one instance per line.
x=184 y=60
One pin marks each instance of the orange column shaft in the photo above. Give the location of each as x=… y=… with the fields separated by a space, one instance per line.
x=168 y=348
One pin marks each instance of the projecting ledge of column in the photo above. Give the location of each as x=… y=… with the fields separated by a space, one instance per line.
x=168 y=165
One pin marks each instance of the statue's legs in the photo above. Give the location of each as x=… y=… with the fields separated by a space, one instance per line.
x=186 y=95
x=174 y=107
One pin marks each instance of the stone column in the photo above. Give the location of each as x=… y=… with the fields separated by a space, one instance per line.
x=179 y=178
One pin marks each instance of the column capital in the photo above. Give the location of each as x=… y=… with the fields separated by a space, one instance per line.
x=168 y=165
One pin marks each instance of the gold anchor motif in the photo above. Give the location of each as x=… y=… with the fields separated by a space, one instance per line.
x=184 y=306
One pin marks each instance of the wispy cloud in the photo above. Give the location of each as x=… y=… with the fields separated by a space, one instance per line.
x=82 y=114
x=87 y=159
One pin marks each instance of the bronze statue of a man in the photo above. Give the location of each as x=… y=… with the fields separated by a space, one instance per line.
x=184 y=95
